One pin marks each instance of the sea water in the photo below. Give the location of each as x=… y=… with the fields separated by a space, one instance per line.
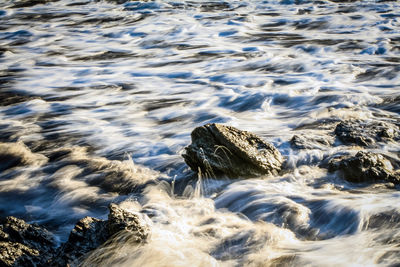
x=99 y=98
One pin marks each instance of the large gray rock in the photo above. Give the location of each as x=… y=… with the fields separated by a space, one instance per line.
x=224 y=150
x=365 y=167
x=365 y=133
x=23 y=244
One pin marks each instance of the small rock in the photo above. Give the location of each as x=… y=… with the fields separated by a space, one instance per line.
x=23 y=244
x=17 y=254
x=224 y=150
x=365 y=167
x=304 y=142
x=364 y=133
x=88 y=234
x=120 y=220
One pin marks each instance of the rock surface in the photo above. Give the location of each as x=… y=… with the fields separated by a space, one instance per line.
x=365 y=167
x=364 y=133
x=305 y=142
x=90 y=233
x=122 y=220
x=23 y=244
x=224 y=150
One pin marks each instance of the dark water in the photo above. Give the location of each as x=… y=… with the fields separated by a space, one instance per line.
x=98 y=99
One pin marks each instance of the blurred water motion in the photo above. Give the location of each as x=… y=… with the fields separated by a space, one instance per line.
x=98 y=100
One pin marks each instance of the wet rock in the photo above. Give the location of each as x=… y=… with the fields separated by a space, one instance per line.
x=224 y=150
x=23 y=244
x=304 y=142
x=365 y=167
x=364 y=133
x=91 y=233
x=122 y=220
x=88 y=234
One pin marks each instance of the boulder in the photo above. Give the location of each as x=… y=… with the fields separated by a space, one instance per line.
x=224 y=150
x=365 y=167
x=90 y=233
x=23 y=244
x=365 y=133
x=122 y=220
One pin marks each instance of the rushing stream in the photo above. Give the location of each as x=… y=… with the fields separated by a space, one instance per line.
x=99 y=99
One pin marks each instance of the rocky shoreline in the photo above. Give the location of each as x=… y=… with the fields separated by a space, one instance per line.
x=216 y=151
x=23 y=244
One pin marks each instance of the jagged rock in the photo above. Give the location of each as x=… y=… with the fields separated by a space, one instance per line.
x=224 y=150
x=304 y=142
x=23 y=244
x=119 y=220
x=90 y=233
x=364 y=133
x=365 y=167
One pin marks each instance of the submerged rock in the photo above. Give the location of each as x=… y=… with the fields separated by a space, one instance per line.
x=365 y=167
x=364 y=133
x=224 y=150
x=305 y=142
x=23 y=244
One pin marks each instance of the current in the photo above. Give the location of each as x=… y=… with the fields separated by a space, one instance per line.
x=98 y=100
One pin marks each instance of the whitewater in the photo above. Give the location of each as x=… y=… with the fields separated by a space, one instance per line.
x=99 y=99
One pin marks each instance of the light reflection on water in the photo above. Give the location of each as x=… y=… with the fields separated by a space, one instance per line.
x=132 y=79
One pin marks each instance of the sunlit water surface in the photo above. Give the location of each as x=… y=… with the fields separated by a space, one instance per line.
x=101 y=97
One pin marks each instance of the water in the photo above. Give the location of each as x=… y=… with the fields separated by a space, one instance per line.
x=99 y=99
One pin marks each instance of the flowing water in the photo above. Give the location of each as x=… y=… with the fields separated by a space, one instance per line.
x=99 y=99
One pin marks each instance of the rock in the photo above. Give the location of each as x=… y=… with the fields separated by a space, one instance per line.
x=23 y=244
x=365 y=167
x=88 y=234
x=122 y=220
x=16 y=254
x=224 y=150
x=91 y=233
x=306 y=142
x=364 y=133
